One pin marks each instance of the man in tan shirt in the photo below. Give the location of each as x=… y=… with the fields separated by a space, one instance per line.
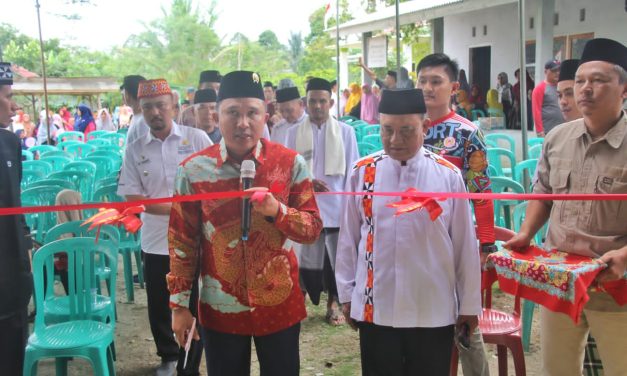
x=586 y=155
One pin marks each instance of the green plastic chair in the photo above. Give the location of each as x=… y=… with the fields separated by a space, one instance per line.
x=110 y=149
x=495 y=112
x=114 y=157
x=498 y=137
x=72 y=135
x=57 y=162
x=63 y=145
x=38 y=150
x=82 y=179
x=104 y=165
x=98 y=142
x=96 y=134
x=535 y=152
x=461 y=112
x=476 y=114
x=63 y=184
x=80 y=149
x=31 y=176
x=502 y=208
x=492 y=172
x=348 y=119
x=123 y=131
x=535 y=141
x=40 y=223
x=115 y=138
x=371 y=129
x=528 y=306
x=86 y=166
x=374 y=139
x=366 y=148
x=56 y=308
x=43 y=166
x=525 y=168
x=80 y=337
x=56 y=153
x=112 y=180
x=27 y=155
x=494 y=159
x=491 y=144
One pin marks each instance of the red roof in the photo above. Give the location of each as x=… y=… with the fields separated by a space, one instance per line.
x=22 y=72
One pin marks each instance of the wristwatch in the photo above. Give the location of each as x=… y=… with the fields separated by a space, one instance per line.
x=488 y=248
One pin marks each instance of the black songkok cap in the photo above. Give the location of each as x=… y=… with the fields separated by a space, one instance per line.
x=601 y=49
x=268 y=84
x=402 y=102
x=318 y=84
x=392 y=73
x=287 y=94
x=568 y=69
x=209 y=76
x=205 y=96
x=6 y=74
x=241 y=84
x=131 y=84
x=333 y=83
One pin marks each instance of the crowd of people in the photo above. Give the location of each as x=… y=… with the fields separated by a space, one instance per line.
x=411 y=283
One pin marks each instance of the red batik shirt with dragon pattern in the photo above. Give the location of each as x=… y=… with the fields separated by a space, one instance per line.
x=247 y=287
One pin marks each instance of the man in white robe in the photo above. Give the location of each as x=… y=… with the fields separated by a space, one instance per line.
x=330 y=148
x=407 y=282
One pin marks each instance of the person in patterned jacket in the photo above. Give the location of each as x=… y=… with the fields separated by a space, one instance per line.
x=460 y=142
x=249 y=288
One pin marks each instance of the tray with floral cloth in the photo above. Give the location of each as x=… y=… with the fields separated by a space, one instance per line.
x=557 y=280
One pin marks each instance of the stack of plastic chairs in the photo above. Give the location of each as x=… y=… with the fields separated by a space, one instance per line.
x=83 y=180
x=27 y=155
x=80 y=336
x=64 y=144
x=498 y=139
x=81 y=149
x=40 y=223
x=38 y=150
x=72 y=135
x=494 y=159
x=525 y=170
x=502 y=207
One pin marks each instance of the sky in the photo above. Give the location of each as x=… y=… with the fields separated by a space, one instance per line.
x=109 y=22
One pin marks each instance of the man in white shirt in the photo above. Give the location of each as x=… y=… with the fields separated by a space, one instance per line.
x=407 y=281
x=292 y=109
x=329 y=148
x=138 y=127
x=149 y=169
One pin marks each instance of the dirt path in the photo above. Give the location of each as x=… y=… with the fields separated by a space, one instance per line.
x=324 y=350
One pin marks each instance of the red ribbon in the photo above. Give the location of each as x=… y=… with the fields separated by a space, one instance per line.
x=128 y=218
x=408 y=204
x=237 y=194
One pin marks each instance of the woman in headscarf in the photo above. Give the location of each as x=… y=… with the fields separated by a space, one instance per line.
x=463 y=81
x=506 y=98
x=476 y=99
x=57 y=121
x=369 y=106
x=354 y=98
x=85 y=122
x=104 y=121
x=530 y=85
x=404 y=81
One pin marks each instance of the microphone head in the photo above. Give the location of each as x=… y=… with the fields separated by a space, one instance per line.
x=248 y=169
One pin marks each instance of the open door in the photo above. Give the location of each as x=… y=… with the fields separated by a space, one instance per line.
x=480 y=67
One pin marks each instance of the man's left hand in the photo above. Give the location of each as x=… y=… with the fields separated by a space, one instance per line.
x=472 y=321
x=616 y=261
x=269 y=206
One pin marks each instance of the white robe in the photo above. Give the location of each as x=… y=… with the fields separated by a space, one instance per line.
x=425 y=273
x=279 y=130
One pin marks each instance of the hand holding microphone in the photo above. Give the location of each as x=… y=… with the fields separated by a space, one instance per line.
x=267 y=206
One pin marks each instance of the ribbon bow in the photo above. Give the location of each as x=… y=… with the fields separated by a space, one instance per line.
x=408 y=204
x=127 y=218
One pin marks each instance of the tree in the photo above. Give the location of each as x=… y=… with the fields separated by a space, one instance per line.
x=296 y=51
x=268 y=39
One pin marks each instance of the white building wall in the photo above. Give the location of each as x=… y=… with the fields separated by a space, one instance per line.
x=605 y=18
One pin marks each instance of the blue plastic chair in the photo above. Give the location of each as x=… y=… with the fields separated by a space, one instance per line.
x=494 y=159
x=535 y=152
x=525 y=168
x=56 y=308
x=80 y=337
x=39 y=165
x=80 y=149
x=27 y=156
x=81 y=179
x=502 y=207
x=366 y=148
x=498 y=137
x=476 y=114
x=72 y=135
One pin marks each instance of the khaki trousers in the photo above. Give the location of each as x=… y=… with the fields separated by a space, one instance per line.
x=563 y=342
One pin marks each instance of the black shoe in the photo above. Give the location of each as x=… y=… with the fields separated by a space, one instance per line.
x=167 y=369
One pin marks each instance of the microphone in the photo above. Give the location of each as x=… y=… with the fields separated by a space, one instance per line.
x=247 y=175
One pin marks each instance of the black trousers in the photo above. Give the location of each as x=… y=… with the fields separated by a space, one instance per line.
x=13 y=338
x=229 y=354
x=405 y=351
x=156 y=267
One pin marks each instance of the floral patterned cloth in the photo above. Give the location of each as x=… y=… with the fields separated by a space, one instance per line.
x=247 y=287
x=557 y=280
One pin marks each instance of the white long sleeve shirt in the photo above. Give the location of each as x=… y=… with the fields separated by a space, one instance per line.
x=329 y=204
x=426 y=273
